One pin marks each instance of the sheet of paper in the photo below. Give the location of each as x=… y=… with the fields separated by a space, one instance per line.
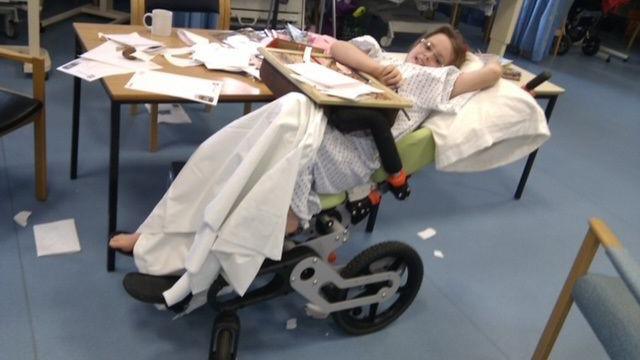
x=322 y=75
x=111 y=53
x=427 y=233
x=22 y=217
x=91 y=70
x=292 y=324
x=217 y=57
x=177 y=57
x=134 y=39
x=351 y=93
x=438 y=254
x=171 y=114
x=190 y=38
x=58 y=237
x=186 y=87
x=244 y=44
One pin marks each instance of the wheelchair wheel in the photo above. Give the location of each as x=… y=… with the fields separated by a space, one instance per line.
x=387 y=256
x=224 y=339
x=590 y=46
x=223 y=345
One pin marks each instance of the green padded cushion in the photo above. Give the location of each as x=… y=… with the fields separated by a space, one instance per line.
x=417 y=150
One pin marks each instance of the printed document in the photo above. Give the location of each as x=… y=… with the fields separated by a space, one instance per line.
x=185 y=87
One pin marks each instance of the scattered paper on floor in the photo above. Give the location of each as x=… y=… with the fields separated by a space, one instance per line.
x=171 y=114
x=427 y=233
x=58 y=237
x=438 y=254
x=292 y=323
x=22 y=217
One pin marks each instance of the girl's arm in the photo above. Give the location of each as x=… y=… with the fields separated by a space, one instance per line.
x=348 y=54
x=478 y=79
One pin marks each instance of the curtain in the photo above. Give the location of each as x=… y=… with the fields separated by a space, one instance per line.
x=539 y=19
x=195 y=20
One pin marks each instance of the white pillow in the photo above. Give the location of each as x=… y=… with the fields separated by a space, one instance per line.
x=496 y=126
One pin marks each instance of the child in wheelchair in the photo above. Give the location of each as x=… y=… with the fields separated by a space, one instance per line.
x=336 y=162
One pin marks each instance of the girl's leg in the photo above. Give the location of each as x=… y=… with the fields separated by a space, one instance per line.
x=124 y=242
x=293 y=223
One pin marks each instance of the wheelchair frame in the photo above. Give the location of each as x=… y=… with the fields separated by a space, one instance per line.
x=305 y=269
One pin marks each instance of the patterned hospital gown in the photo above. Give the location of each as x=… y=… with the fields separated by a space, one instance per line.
x=344 y=161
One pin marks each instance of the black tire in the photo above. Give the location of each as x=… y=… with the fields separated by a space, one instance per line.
x=224 y=345
x=590 y=46
x=391 y=255
x=224 y=338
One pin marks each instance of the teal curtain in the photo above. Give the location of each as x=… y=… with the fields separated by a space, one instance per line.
x=195 y=20
x=539 y=19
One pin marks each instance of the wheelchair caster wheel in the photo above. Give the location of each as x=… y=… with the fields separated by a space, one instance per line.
x=387 y=256
x=224 y=340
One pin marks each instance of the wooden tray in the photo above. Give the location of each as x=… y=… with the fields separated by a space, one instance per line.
x=277 y=76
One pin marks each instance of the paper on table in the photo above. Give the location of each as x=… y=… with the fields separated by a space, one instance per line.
x=216 y=57
x=243 y=43
x=171 y=114
x=22 y=217
x=172 y=57
x=111 y=53
x=135 y=40
x=186 y=87
x=58 y=237
x=90 y=70
x=190 y=38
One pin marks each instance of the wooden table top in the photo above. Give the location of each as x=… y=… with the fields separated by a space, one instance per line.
x=547 y=88
x=238 y=87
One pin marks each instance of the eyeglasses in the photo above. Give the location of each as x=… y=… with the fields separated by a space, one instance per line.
x=428 y=48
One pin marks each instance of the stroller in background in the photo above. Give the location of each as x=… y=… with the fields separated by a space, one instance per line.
x=583 y=25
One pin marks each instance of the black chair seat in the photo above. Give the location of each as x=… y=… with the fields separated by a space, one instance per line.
x=16 y=110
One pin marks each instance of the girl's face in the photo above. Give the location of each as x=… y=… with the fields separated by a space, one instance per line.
x=434 y=51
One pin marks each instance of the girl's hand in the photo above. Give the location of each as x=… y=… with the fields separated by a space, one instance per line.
x=389 y=75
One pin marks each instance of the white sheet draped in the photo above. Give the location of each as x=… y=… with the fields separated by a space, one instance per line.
x=228 y=206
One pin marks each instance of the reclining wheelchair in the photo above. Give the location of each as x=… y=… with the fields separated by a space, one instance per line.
x=363 y=296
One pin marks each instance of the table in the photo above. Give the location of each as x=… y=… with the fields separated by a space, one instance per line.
x=546 y=91
x=236 y=88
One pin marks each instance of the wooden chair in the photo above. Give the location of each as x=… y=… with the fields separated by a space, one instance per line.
x=17 y=110
x=140 y=7
x=611 y=305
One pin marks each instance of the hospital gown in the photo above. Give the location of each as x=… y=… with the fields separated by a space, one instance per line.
x=345 y=161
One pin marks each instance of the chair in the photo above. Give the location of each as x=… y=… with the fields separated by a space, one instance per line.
x=17 y=110
x=140 y=7
x=611 y=305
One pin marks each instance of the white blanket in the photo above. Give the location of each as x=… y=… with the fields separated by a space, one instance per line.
x=228 y=206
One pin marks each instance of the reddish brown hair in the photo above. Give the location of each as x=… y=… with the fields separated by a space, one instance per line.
x=457 y=41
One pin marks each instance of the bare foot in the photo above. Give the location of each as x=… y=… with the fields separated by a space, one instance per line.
x=124 y=242
x=292 y=223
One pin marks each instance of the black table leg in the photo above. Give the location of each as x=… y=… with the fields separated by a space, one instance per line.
x=527 y=167
x=113 y=180
x=75 y=127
